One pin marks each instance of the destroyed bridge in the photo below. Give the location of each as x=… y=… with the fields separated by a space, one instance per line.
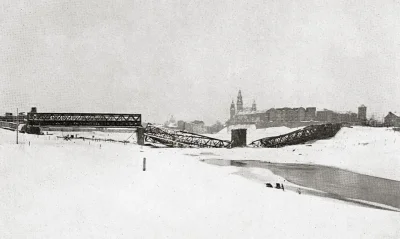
x=172 y=138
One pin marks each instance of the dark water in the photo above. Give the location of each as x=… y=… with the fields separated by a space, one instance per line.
x=334 y=182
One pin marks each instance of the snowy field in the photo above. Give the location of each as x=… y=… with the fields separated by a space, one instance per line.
x=51 y=188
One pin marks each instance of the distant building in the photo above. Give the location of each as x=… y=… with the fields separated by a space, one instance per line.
x=171 y=123
x=362 y=113
x=274 y=115
x=345 y=117
x=196 y=126
x=392 y=119
x=244 y=115
x=290 y=116
x=310 y=113
x=10 y=117
x=233 y=111
x=286 y=114
x=239 y=102
x=254 y=106
x=325 y=115
x=181 y=124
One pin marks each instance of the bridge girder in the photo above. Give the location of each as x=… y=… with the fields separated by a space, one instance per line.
x=312 y=132
x=182 y=138
x=84 y=119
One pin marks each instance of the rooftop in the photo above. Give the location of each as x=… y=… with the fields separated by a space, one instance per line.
x=395 y=113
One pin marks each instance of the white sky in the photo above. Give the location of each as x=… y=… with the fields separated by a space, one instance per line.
x=189 y=58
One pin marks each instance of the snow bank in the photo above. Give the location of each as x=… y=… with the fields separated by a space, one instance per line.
x=70 y=189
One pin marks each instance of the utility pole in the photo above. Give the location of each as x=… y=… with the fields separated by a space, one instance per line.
x=17 y=125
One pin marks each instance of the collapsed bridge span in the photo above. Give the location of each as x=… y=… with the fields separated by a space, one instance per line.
x=173 y=138
x=301 y=136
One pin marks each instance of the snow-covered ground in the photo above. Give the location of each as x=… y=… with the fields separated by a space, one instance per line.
x=53 y=188
x=372 y=151
x=118 y=136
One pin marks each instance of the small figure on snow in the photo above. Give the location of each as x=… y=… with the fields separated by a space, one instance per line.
x=268 y=185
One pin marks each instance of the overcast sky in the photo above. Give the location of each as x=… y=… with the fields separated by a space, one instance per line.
x=190 y=58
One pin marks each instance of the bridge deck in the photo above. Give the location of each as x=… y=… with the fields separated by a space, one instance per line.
x=85 y=119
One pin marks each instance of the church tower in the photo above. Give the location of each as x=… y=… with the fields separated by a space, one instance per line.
x=239 y=103
x=254 y=106
x=232 y=110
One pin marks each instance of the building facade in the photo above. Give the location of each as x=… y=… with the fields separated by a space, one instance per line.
x=325 y=115
x=362 y=113
x=286 y=114
x=244 y=115
x=311 y=113
x=392 y=119
x=290 y=116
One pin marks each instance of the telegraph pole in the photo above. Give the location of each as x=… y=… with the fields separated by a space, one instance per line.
x=17 y=125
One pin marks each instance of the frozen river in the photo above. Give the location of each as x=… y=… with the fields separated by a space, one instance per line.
x=333 y=182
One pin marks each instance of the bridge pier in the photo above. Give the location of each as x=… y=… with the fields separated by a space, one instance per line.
x=238 y=138
x=140 y=135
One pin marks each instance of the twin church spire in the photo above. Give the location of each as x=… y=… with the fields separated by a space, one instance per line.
x=239 y=105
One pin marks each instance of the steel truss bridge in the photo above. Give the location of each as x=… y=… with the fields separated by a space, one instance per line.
x=172 y=138
x=309 y=133
x=84 y=119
